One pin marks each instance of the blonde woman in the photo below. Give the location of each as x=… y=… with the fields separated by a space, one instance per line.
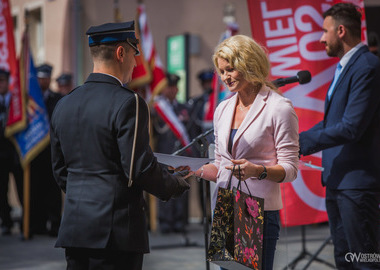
x=256 y=129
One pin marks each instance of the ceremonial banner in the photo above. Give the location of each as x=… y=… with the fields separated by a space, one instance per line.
x=16 y=113
x=165 y=111
x=149 y=70
x=35 y=137
x=291 y=30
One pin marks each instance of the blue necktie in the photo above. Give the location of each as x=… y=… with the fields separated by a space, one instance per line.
x=336 y=77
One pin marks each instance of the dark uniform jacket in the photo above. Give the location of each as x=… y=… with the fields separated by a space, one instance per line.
x=92 y=139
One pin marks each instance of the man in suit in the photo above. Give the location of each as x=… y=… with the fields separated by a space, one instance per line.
x=102 y=159
x=349 y=137
x=46 y=199
x=9 y=160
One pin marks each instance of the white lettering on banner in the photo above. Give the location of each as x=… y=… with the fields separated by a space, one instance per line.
x=307 y=196
x=299 y=94
x=281 y=30
x=309 y=11
x=274 y=13
x=281 y=42
x=286 y=62
x=3 y=41
x=308 y=55
x=310 y=37
x=280 y=55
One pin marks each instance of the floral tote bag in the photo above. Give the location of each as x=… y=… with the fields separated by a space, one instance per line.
x=237 y=229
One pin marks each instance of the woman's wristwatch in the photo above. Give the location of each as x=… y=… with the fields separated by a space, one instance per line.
x=264 y=174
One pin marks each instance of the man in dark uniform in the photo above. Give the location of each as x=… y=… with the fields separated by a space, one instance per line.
x=172 y=214
x=46 y=198
x=9 y=161
x=196 y=125
x=102 y=159
x=197 y=105
x=65 y=83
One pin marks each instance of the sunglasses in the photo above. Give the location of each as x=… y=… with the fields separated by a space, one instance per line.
x=133 y=44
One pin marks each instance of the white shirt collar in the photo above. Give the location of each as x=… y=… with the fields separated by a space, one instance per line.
x=343 y=62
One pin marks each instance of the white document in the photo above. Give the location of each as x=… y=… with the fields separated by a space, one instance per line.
x=176 y=161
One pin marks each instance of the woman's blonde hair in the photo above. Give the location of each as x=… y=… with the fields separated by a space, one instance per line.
x=246 y=56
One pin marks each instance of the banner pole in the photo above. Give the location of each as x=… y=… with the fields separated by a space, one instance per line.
x=26 y=206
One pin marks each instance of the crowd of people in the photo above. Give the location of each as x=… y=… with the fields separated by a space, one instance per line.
x=46 y=200
x=100 y=154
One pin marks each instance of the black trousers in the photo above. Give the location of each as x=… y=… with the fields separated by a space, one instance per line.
x=45 y=195
x=8 y=166
x=354 y=218
x=104 y=259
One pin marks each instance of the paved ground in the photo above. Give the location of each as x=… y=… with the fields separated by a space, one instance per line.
x=172 y=251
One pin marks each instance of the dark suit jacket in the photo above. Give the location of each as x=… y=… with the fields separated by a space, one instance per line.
x=349 y=134
x=91 y=139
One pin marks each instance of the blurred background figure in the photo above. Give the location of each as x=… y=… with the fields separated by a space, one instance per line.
x=44 y=79
x=197 y=109
x=373 y=43
x=65 y=83
x=9 y=161
x=46 y=198
x=172 y=214
x=197 y=105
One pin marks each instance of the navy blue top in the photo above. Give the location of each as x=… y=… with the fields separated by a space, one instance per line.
x=232 y=135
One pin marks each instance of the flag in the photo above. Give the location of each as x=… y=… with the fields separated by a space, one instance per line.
x=149 y=71
x=291 y=30
x=166 y=112
x=16 y=114
x=219 y=90
x=35 y=136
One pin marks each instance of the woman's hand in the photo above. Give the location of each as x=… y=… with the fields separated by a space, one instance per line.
x=247 y=169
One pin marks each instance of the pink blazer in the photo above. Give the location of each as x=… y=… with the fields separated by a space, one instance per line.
x=268 y=135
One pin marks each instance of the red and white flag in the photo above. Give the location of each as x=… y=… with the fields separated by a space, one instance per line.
x=165 y=111
x=149 y=71
x=291 y=30
x=16 y=114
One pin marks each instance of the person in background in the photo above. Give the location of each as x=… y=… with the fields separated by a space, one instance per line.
x=197 y=105
x=373 y=43
x=51 y=98
x=348 y=137
x=256 y=131
x=46 y=198
x=103 y=162
x=172 y=214
x=64 y=83
x=9 y=160
x=197 y=109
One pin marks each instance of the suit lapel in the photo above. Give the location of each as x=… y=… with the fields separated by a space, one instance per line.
x=341 y=77
x=228 y=117
x=256 y=108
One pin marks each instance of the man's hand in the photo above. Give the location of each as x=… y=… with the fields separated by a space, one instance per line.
x=182 y=186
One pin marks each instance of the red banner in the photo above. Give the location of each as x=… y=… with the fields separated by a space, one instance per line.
x=16 y=113
x=291 y=30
